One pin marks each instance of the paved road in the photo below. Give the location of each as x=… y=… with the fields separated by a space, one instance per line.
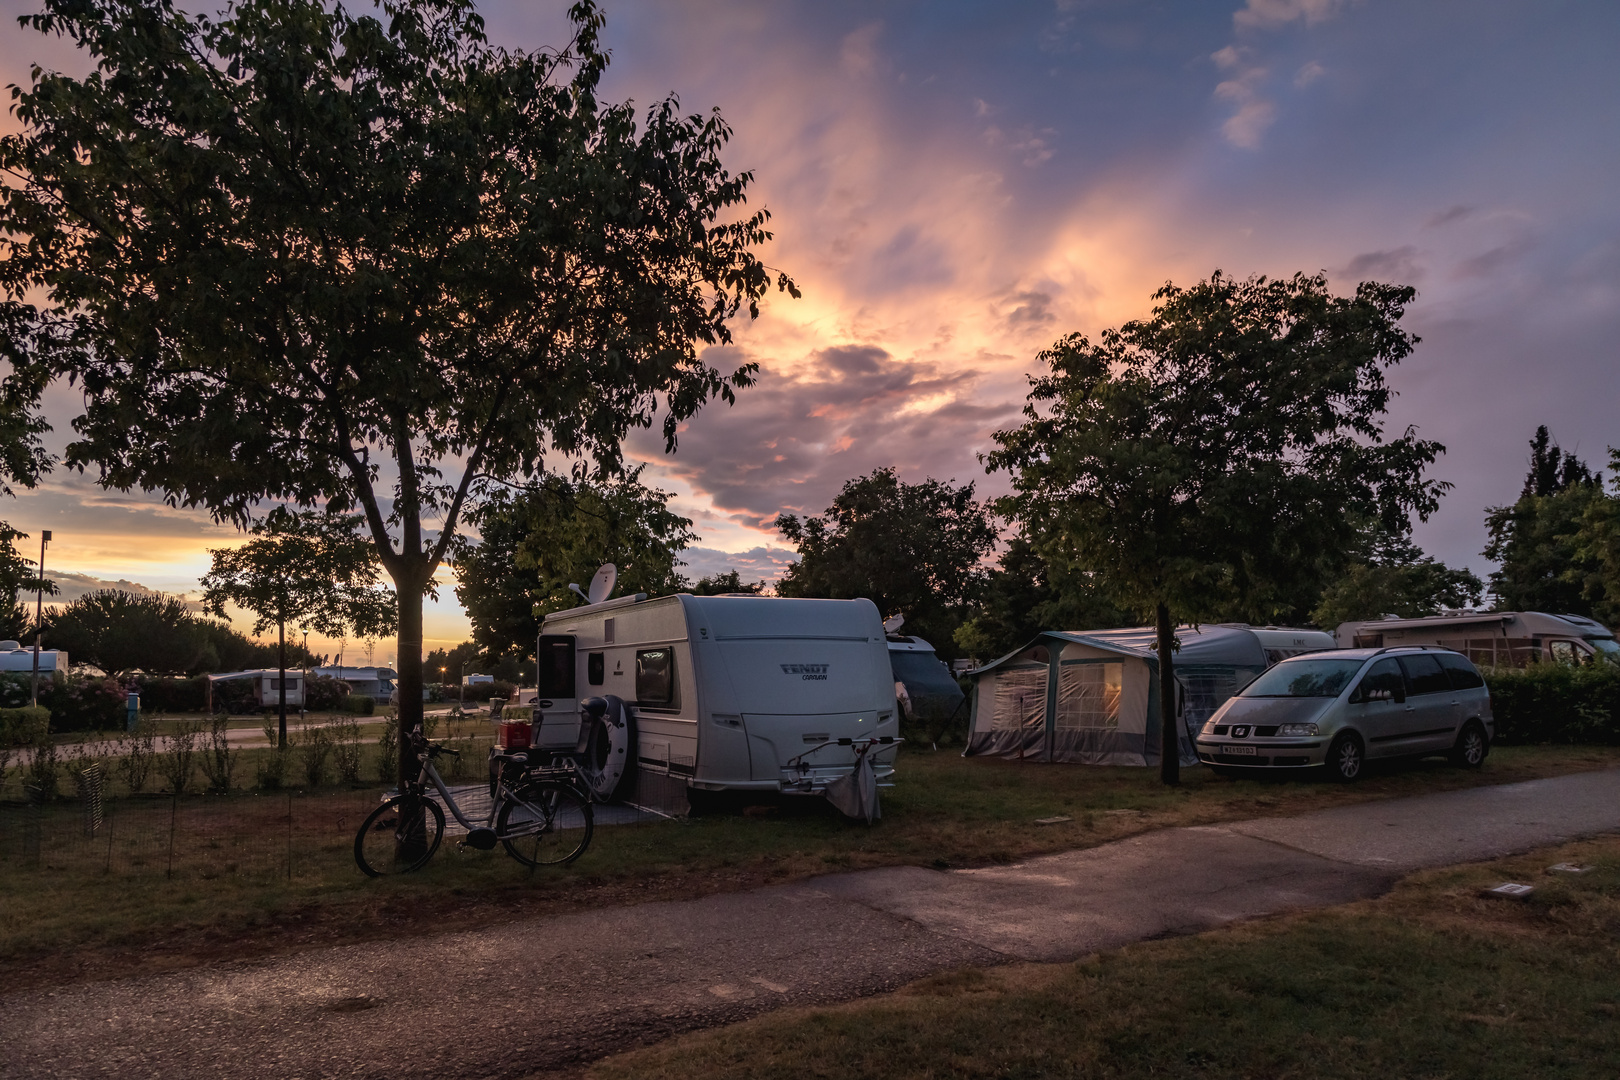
x=517 y=1000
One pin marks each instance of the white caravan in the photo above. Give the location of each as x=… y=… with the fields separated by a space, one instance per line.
x=722 y=692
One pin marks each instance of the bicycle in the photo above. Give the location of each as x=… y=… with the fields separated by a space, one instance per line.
x=540 y=815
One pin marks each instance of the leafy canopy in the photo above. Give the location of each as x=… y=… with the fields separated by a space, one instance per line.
x=912 y=549
x=536 y=540
x=304 y=253
x=120 y=631
x=303 y=569
x=1546 y=563
x=1393 y=576
x=1217 y=457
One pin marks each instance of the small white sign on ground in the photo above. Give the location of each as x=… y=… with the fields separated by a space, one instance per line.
x=1511 y=890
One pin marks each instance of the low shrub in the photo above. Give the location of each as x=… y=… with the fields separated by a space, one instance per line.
x=323 y=693
x=84 y=704
x=360 y=704
x=388 y=751
x=315 y=749
x=178 y=758
x=219 y=758
x=1554 y=703
x=346 y=749
x=136 y=751
x=173 y=695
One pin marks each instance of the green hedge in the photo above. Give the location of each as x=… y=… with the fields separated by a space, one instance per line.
x=24 y=725
x=360 y=704
x=1552 y=703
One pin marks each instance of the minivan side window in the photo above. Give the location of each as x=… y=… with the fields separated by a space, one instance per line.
x=1425 y=676
x=1384 y=675
x=1464 y=676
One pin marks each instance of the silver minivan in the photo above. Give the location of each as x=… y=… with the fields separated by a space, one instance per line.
x=1339 y=709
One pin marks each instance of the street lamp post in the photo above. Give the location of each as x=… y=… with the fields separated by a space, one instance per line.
x=39 y=618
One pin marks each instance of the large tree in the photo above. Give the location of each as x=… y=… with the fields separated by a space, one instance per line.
x=534 y=541
x=311 y=570
x=1027 y=593
x=912 y=549
x=304 y=253
x=1392 y=576
x=1216 y=458
x=22 y=461
x=1597 y=546
x=1544 y=564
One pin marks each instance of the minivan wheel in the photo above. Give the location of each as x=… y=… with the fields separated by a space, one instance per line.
x=1472 y=746
x=1345 y=758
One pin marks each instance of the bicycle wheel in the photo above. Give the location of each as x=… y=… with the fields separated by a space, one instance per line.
x=545 y=824
x=381 y=848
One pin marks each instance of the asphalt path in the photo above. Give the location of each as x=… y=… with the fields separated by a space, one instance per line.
x=527 y=997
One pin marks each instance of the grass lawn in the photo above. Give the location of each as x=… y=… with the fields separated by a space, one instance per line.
x=68 y=920
x=1432 y=980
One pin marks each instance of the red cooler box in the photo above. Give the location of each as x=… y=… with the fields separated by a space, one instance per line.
x=514 y=734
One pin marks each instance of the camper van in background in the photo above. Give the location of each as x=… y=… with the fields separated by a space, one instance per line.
x=723 y=692
x=1497 y=639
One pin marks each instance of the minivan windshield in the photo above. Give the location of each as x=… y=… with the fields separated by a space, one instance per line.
x=1304 y=678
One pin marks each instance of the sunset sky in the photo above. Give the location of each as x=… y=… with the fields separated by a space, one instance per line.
x=954 y=186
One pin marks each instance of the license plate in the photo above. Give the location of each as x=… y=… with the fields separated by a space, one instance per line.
x=1240 y=751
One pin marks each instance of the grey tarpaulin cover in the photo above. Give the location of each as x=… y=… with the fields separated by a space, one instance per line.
x=856 y=793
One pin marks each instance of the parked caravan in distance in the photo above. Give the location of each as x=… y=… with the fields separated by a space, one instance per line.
x=1497 y=639
x=17 y=658
x=722 y=692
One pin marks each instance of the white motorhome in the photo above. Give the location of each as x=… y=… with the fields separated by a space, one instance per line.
x=723 y=692
x=1496 y=639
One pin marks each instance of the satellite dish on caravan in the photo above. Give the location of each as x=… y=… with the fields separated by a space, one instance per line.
x=602 y=583
x=893 y=623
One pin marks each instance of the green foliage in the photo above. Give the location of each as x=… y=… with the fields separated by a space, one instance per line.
x=219 y=759
x=173 y=695
x=1395 y=577
x=449 y=665
x=323 y=693
x=729 y=582
x=177 y=759
x=388 y=750
x=1538 y=541
x=304 y=569
x=22 y=727
x=360 y=704
x=535 y=541
x=22 y=454
x=315 y=747
x=122 y=631
x=1557 y=703
x=1219 y=456
x=912 y=549
x=135 y=754
x=1597 y=550
x=346 y=749
x=1026 y=594
x=18 y=573
x=81 y=703
x=293 y=248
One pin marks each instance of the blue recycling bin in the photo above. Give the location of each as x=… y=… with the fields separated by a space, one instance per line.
x=132 y=710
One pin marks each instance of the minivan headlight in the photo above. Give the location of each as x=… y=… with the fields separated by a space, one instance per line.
x=1298 y=729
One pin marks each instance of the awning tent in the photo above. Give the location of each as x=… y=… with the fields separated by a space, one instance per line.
x=1092 y=697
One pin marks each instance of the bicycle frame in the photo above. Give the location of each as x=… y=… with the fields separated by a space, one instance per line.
x=503 y=793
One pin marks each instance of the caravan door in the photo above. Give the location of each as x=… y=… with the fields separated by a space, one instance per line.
x=556 y=707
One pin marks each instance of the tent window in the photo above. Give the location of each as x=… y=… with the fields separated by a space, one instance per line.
x=1206 y=692
x=1020 y=699
x=1088 y=696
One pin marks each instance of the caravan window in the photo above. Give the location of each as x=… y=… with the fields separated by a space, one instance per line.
x=655 y=676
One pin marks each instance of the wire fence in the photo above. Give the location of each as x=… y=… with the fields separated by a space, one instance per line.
x=250 y=836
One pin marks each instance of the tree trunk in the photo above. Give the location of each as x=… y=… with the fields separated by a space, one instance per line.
x=1169 y=722
x=408 y=657
x=281 y=634
x=411 y=838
